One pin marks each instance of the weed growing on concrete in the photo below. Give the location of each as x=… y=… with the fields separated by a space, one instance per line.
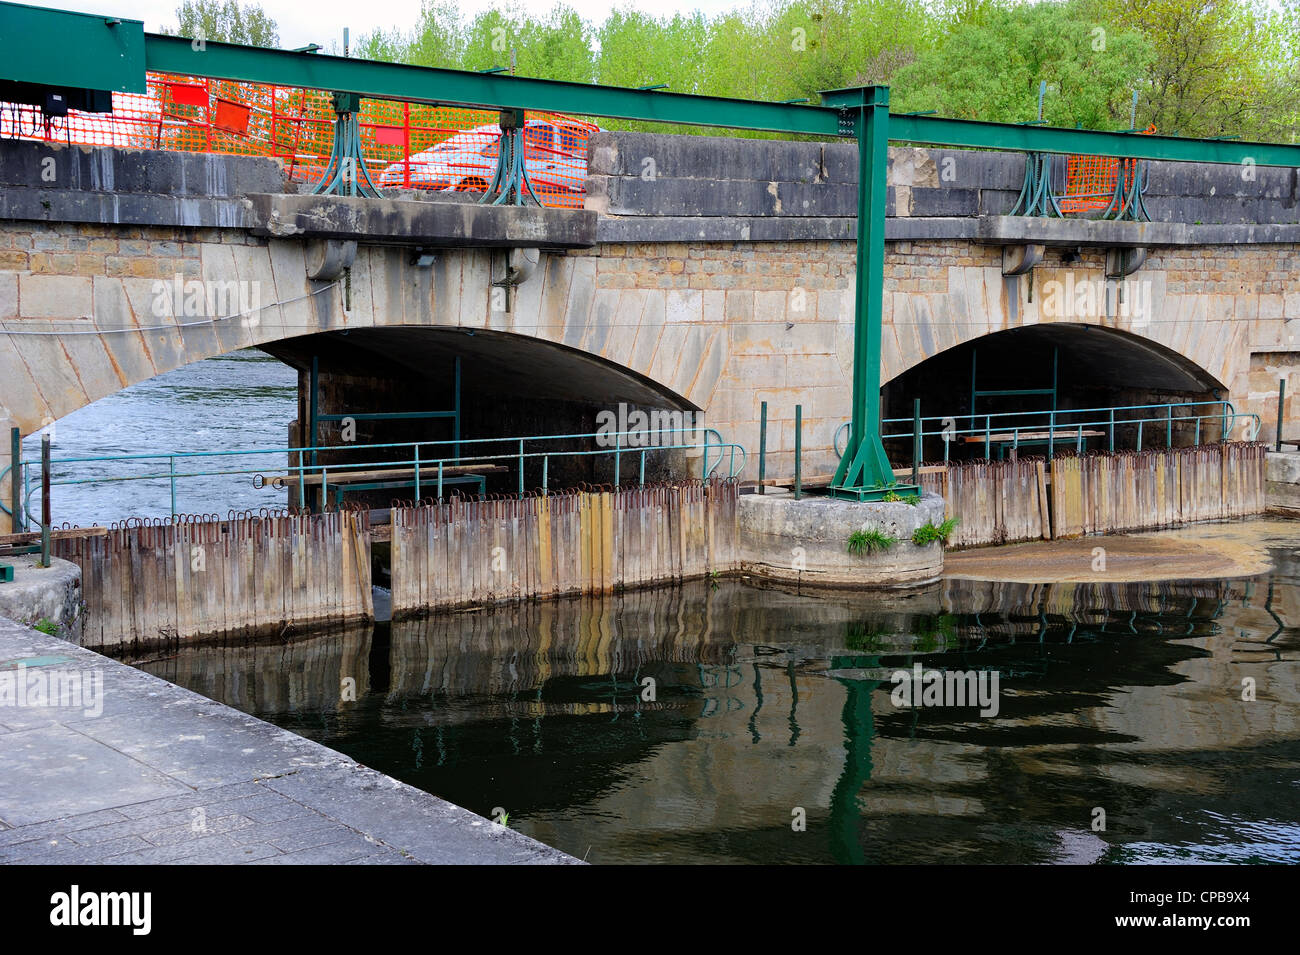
x=47 y=626
x=929 y=532
x=869 y=542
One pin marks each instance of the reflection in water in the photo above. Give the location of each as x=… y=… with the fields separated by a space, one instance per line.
x=1124 y=697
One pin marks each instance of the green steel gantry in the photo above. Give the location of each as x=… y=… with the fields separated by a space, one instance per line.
x=53 y=48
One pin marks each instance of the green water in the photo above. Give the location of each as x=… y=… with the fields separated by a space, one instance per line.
x=772 y=708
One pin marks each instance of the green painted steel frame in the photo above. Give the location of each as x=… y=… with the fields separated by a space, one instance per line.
x=859 y=112
x=63 y=49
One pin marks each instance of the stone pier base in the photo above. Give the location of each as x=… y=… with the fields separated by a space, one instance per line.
x=806 y=541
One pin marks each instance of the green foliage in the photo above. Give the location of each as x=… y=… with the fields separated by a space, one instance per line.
x=225 y=21
x=869 y=542
x=47 y=626
x=929 y=532
x=990 y=68
x=1201 y=67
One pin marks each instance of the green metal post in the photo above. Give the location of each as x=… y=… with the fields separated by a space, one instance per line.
x=16 y=480
x=521 y=467
x=798 y=452
x=1169 y=426
x=45 y=500
x=865 y=466
x=313 y=408
x=417 y=473
x=1281 y=399
x=455 y=421
x=762 y=445
x=916 y=441
x=1112 y=429
x=171 y=474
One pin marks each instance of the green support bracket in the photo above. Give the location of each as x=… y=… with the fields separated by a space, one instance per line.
x=1036 y=197
x=864 y=473
x=510 y=184
x=1126 y=203
x=346 y=173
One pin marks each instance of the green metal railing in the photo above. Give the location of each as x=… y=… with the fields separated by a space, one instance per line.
x=429 y=470
x=1066 y=428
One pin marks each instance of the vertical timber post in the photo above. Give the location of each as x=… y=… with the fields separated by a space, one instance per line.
x=865 y=469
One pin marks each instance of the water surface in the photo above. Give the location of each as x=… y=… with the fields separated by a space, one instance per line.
x=1124 y=698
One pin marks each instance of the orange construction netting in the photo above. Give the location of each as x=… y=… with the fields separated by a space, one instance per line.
x=406 y=145
x=1090 y=180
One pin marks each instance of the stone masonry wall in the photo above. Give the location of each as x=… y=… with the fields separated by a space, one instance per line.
x=721 y=325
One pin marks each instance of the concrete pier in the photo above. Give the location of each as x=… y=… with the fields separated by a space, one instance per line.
x=102 y=763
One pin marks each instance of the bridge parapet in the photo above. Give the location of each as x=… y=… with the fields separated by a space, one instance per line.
x=655 y=187
x=163 y=188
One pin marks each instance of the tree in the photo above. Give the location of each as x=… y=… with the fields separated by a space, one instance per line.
x=1219 y=66
x=989 y=67
x=437 y=40
x=225 y=21
x=556 y=46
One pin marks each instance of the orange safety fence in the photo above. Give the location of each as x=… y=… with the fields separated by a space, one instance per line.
x=1090 y=180
x=405 y=145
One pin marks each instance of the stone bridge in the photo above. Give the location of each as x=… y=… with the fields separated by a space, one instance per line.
x=705 y=274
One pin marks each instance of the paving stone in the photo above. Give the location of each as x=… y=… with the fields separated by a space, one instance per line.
x=178 y=834
x=332 y=854
x=311 y=838
x=208 y=797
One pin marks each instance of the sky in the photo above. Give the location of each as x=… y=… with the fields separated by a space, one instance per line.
x=320 y=21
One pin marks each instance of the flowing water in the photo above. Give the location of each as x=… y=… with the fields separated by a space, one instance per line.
x=723 y=722
x=241 y=400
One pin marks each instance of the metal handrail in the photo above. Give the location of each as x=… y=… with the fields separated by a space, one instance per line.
x=517 y=452
x=985 y=423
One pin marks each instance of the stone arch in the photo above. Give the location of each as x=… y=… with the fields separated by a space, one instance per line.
x=107 y=335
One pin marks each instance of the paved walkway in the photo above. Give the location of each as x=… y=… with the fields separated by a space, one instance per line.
x=163 y=775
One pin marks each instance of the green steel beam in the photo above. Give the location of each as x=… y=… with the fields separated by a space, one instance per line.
x=67 y=50
x=396 y=81
x=935 y=131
